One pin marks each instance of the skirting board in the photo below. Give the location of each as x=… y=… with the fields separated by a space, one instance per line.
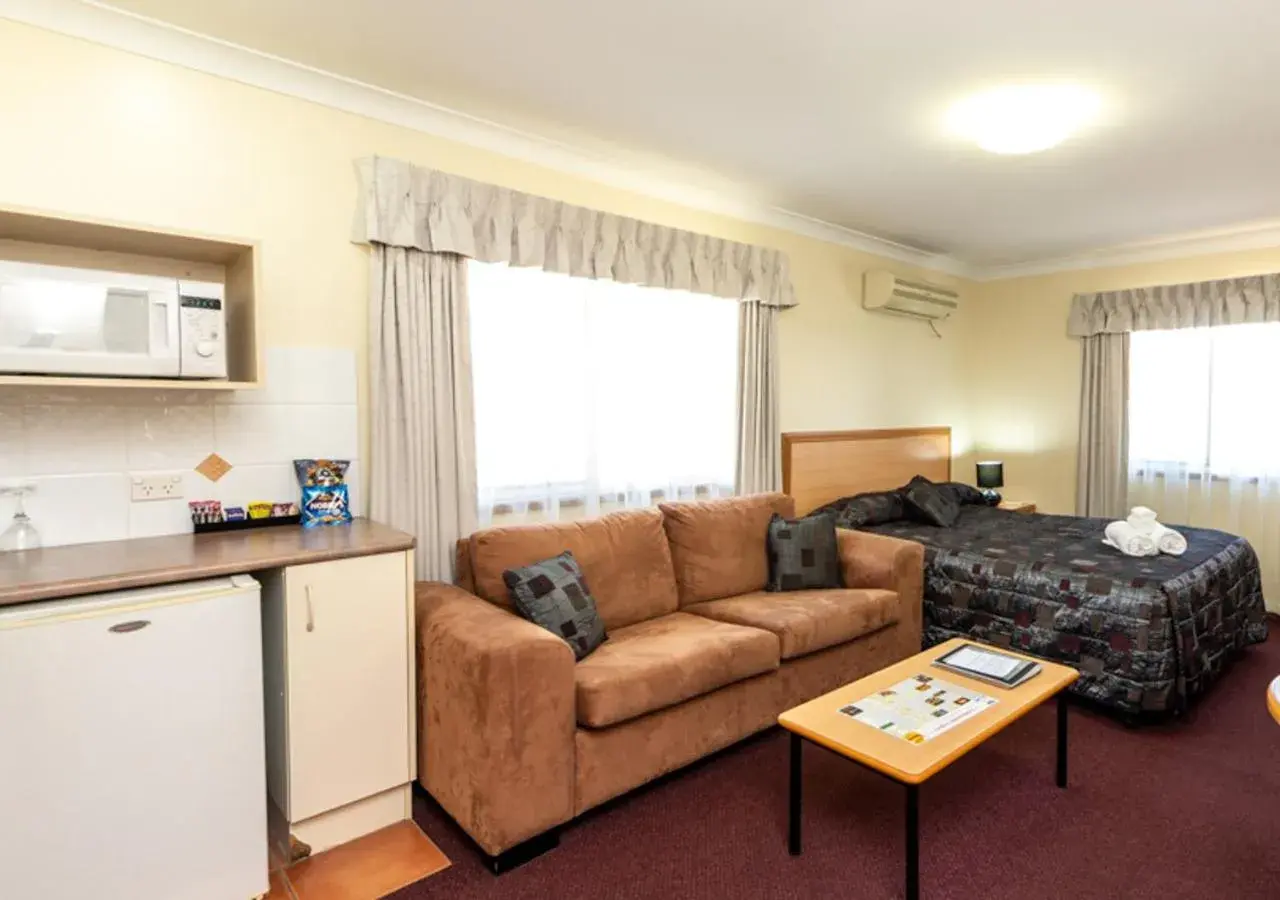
x=346 y=823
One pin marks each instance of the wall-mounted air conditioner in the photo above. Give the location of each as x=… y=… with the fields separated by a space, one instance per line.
x=886 y=292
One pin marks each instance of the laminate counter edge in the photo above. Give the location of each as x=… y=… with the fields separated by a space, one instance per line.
x=55 y=572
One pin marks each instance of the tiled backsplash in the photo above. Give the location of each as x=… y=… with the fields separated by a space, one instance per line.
x=81 y=448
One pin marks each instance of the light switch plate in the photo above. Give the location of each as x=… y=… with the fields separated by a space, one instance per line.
x=156 y=487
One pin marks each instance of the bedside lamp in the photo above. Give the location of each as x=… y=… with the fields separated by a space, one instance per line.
x=990 y=477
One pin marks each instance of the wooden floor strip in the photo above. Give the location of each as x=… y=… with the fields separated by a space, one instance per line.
x=369 y=867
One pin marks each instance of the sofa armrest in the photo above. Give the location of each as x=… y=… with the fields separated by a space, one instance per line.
x=874 y=561
x=496 y=717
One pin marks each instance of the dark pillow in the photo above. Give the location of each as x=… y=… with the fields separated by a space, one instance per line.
x=930 y=503
x=803 y=554
x=964 y=494
x=865 y=509
x=553 y=594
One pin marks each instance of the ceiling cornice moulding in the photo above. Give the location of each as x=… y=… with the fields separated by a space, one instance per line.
x=106 y=25
x=1254 y=236
x=94 y=21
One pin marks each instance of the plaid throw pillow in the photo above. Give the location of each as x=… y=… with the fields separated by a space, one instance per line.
x=553 y=594
x=803 y=554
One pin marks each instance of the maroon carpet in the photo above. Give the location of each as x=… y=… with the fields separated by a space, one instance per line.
x=1189 y=809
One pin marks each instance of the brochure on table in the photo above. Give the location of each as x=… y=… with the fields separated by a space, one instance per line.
x=919 y=708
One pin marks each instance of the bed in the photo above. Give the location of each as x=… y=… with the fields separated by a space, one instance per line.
x=1148 y=635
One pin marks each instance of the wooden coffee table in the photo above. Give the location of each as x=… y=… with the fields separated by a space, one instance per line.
x=821 y=721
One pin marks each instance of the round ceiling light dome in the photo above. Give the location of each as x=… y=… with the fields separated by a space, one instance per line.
x=1023 y=118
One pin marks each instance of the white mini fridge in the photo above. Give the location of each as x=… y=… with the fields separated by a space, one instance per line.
x=132 y=761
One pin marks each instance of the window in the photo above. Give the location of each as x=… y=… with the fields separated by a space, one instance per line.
x=1203 y=400
x=592 y=395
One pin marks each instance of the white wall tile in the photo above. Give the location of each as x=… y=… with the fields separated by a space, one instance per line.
x=74 y=438
x=313 y=375
x=13 y=443
x=152 y=518
x=75 y=509
x=243 y=485
x=169 y=437
x=82 y=448
x=248 y=434
x=331 y=432
x=320 y=375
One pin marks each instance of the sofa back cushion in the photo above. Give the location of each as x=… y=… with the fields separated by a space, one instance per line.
x=720 y=547
x=624 y=558
x=463 y=576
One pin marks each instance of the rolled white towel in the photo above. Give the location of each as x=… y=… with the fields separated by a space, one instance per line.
x=1169 y=541
x=1142 y=519
x=1129 y=541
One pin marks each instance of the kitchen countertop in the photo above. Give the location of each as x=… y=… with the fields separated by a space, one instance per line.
x=55 y=572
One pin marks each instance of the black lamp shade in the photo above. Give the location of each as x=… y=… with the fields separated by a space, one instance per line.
x=990 y=475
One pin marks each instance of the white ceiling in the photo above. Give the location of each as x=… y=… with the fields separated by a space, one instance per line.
x=834 y=110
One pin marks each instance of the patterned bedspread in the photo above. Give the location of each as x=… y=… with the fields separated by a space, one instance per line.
x=1147 y=634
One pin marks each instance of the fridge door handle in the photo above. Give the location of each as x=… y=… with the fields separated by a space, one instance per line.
x=126 y=627
x=311 y=618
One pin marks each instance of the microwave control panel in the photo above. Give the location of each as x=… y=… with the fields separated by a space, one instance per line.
x=203 y=330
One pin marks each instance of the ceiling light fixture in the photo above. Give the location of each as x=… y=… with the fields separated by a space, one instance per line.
x=1023 y=118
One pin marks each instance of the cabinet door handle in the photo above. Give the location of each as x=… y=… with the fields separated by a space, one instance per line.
x=311 y=617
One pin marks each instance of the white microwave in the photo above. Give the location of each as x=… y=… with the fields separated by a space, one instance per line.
x=57 y=320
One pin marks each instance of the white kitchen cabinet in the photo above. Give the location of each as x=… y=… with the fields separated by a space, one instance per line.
x=339 y=689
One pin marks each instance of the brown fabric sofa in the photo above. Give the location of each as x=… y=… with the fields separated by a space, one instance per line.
x=516 y=738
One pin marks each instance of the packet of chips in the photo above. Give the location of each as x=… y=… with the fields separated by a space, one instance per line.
x=325 y=498
x=320 y=472
x=325 y=505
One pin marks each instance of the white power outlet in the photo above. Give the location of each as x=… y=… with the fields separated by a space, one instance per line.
x=157 y=487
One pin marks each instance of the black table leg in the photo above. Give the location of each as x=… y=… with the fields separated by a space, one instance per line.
x=1062 y=740
x=913 y=842
x=793 y=838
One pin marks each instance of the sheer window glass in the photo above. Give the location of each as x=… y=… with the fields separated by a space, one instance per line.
x=592 y=395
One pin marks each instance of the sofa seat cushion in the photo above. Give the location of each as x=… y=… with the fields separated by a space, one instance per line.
x=664 y=661
x=806 y=621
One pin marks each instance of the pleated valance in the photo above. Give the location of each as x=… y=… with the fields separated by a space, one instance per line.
x=402 y=205
x=1229 y=301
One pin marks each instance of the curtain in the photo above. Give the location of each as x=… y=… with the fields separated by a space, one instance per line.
x=593 y=396
x=407 y=206
x=1203 y=451
x=421 y=429
x=759 y=465
x=1229 y=301
x=1102 y=464
x=421 y=224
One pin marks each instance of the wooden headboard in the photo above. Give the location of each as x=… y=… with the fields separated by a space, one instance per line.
x=821 y=466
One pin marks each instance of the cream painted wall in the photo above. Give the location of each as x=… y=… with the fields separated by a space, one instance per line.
x=1024 y=390
x=99 y=132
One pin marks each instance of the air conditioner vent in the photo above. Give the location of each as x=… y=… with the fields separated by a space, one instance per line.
x=886 y=292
